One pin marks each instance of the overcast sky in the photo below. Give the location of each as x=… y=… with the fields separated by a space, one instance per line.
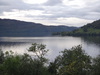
x=52 y=12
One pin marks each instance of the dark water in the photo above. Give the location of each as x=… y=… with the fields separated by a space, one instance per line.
x=19 y=45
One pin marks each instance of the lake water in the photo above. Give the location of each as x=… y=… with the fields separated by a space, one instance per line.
x=20 y=45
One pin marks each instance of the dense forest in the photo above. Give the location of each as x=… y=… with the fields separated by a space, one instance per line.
x=72 y=61
x=16 y=28
x=91 y=29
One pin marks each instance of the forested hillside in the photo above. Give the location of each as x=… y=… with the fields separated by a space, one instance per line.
x=20 y=28
x=91 y=29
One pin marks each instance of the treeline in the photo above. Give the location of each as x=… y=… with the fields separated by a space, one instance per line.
x=72 y=61
x=80 y=32
x=75 y=34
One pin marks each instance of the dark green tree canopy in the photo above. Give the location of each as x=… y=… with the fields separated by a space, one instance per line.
x=74 y=61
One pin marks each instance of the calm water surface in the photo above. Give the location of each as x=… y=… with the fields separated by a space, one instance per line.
x=54 y=44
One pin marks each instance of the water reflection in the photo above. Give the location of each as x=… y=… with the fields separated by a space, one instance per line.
x=91 y=39
x=54 y=44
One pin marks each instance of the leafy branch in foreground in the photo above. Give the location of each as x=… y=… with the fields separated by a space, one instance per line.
x=39 y=51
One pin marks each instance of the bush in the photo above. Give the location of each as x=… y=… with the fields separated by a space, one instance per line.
x=72 y=61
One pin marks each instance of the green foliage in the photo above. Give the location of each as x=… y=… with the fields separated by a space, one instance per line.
x=24 y=64
x=1 y=56
x=16 y=64
x=72 y=61
x=92 y=29
x=96 y=66
x=39 y=51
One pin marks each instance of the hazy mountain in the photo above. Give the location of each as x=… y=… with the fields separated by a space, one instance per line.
x=21 y=28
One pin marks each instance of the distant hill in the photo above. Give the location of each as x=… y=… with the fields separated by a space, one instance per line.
x=91 y=29
x=16 y=28
x=94 y=25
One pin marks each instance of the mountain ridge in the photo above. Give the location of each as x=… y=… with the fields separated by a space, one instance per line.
x=9 y=27
x=90 y=29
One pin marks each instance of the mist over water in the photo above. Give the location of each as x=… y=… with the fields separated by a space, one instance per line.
x=55 y=45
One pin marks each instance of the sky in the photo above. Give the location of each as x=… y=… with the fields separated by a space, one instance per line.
x=52 y=12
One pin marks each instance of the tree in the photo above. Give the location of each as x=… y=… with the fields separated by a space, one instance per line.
x=1 y=56
x=96 y=66
x=39 y=51
x=1 y=61
x=16 y=64
x=85 y=29
x=74 y=61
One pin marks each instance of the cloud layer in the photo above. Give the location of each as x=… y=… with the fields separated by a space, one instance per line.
x=52 y=12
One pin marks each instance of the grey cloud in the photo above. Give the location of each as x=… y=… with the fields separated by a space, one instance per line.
x=65 y=12
x=92 y=10
x=12 y=4
x=54 y=7
x=17 y=4
x=3 y=3
x=53 y=2
x=70 y=0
